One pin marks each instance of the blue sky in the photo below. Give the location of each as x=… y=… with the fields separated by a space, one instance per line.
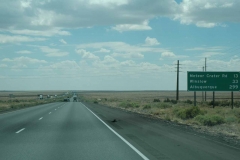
x=114 y=45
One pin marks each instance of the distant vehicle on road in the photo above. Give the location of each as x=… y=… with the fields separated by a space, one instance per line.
x=74 y=98
x=40 y=96
x=66 y=100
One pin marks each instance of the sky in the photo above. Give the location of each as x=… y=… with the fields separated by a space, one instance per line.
x=114 y=44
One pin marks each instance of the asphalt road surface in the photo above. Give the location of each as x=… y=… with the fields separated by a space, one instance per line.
x=73 y=130
x=60 y=131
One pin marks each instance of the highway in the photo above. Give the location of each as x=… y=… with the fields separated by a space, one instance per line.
x=59 y=131
x=75 y=130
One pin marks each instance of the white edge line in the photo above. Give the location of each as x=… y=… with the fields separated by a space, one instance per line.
x=20 y=130
x=124 y=140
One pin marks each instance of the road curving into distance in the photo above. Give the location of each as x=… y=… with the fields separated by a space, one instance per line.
x=75 y=130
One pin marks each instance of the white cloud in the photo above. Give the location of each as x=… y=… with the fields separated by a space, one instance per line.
x=24 y=60
x=213 y=65
x=24 y=52
x=210 y=54
x=207 y=49
x=103 y=50
x=128 y=55
x=18 y=39
x=3 y=66
x=52 y=52
x=151 y=41
x=57 y=54
x=44 y=15
x=36 y=17
x=109 y=59
x=63 y=65
x=132 y=27
x=122 y=47
x=86 y=55
x=206 y=24
x=45 y=33
x=62 y=41
x=208 y=13
x=108 y=2
x=168 y=54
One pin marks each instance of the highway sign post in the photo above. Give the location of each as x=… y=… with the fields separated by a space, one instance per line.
x=213 y=81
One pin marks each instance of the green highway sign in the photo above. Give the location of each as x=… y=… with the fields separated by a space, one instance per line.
x=213 y=81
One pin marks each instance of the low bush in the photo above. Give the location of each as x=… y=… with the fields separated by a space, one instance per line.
x=224 y=103
x=163 y=105
x=216 y=103
x=129 y=105
x=170 y=100
x=209 y=120
x=189 y=101
x=231 y=119
x=237 y=113
x=147 y=106
x=174 y=101
x=236 y=104
x=96 y=102
x=167 y=117
x=167 y=100
x=155 y=111
x=156 y=100
x=188 y=113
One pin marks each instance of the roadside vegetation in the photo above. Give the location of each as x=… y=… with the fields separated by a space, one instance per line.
x=23 y=102
x=219 y=119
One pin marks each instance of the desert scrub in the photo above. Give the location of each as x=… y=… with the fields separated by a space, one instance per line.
x=162 y=105
x=237 y=113
x=188 y=113
x=237 y=104
x=167 y=117
x=231 y=119
x=147 y=107
x=129 y=105
x=156 y=100
x=209 y=120
x=189 y=101
x=156 y=111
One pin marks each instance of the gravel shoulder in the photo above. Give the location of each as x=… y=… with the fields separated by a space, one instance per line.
x=161 y=139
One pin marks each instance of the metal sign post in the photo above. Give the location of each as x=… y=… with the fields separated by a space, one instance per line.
x=195 y=97
x=213 y=99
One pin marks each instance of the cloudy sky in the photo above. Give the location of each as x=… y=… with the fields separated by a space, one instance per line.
x=114 y=44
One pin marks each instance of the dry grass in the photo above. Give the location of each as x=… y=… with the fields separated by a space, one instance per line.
x=25 y=99
x=218 y=120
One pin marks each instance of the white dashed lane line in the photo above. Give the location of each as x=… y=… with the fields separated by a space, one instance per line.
x=20 y=130
x=50 y=112
x=40 y=118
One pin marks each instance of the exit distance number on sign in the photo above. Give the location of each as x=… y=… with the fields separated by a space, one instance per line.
x=233 y=86
x=235 y=81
